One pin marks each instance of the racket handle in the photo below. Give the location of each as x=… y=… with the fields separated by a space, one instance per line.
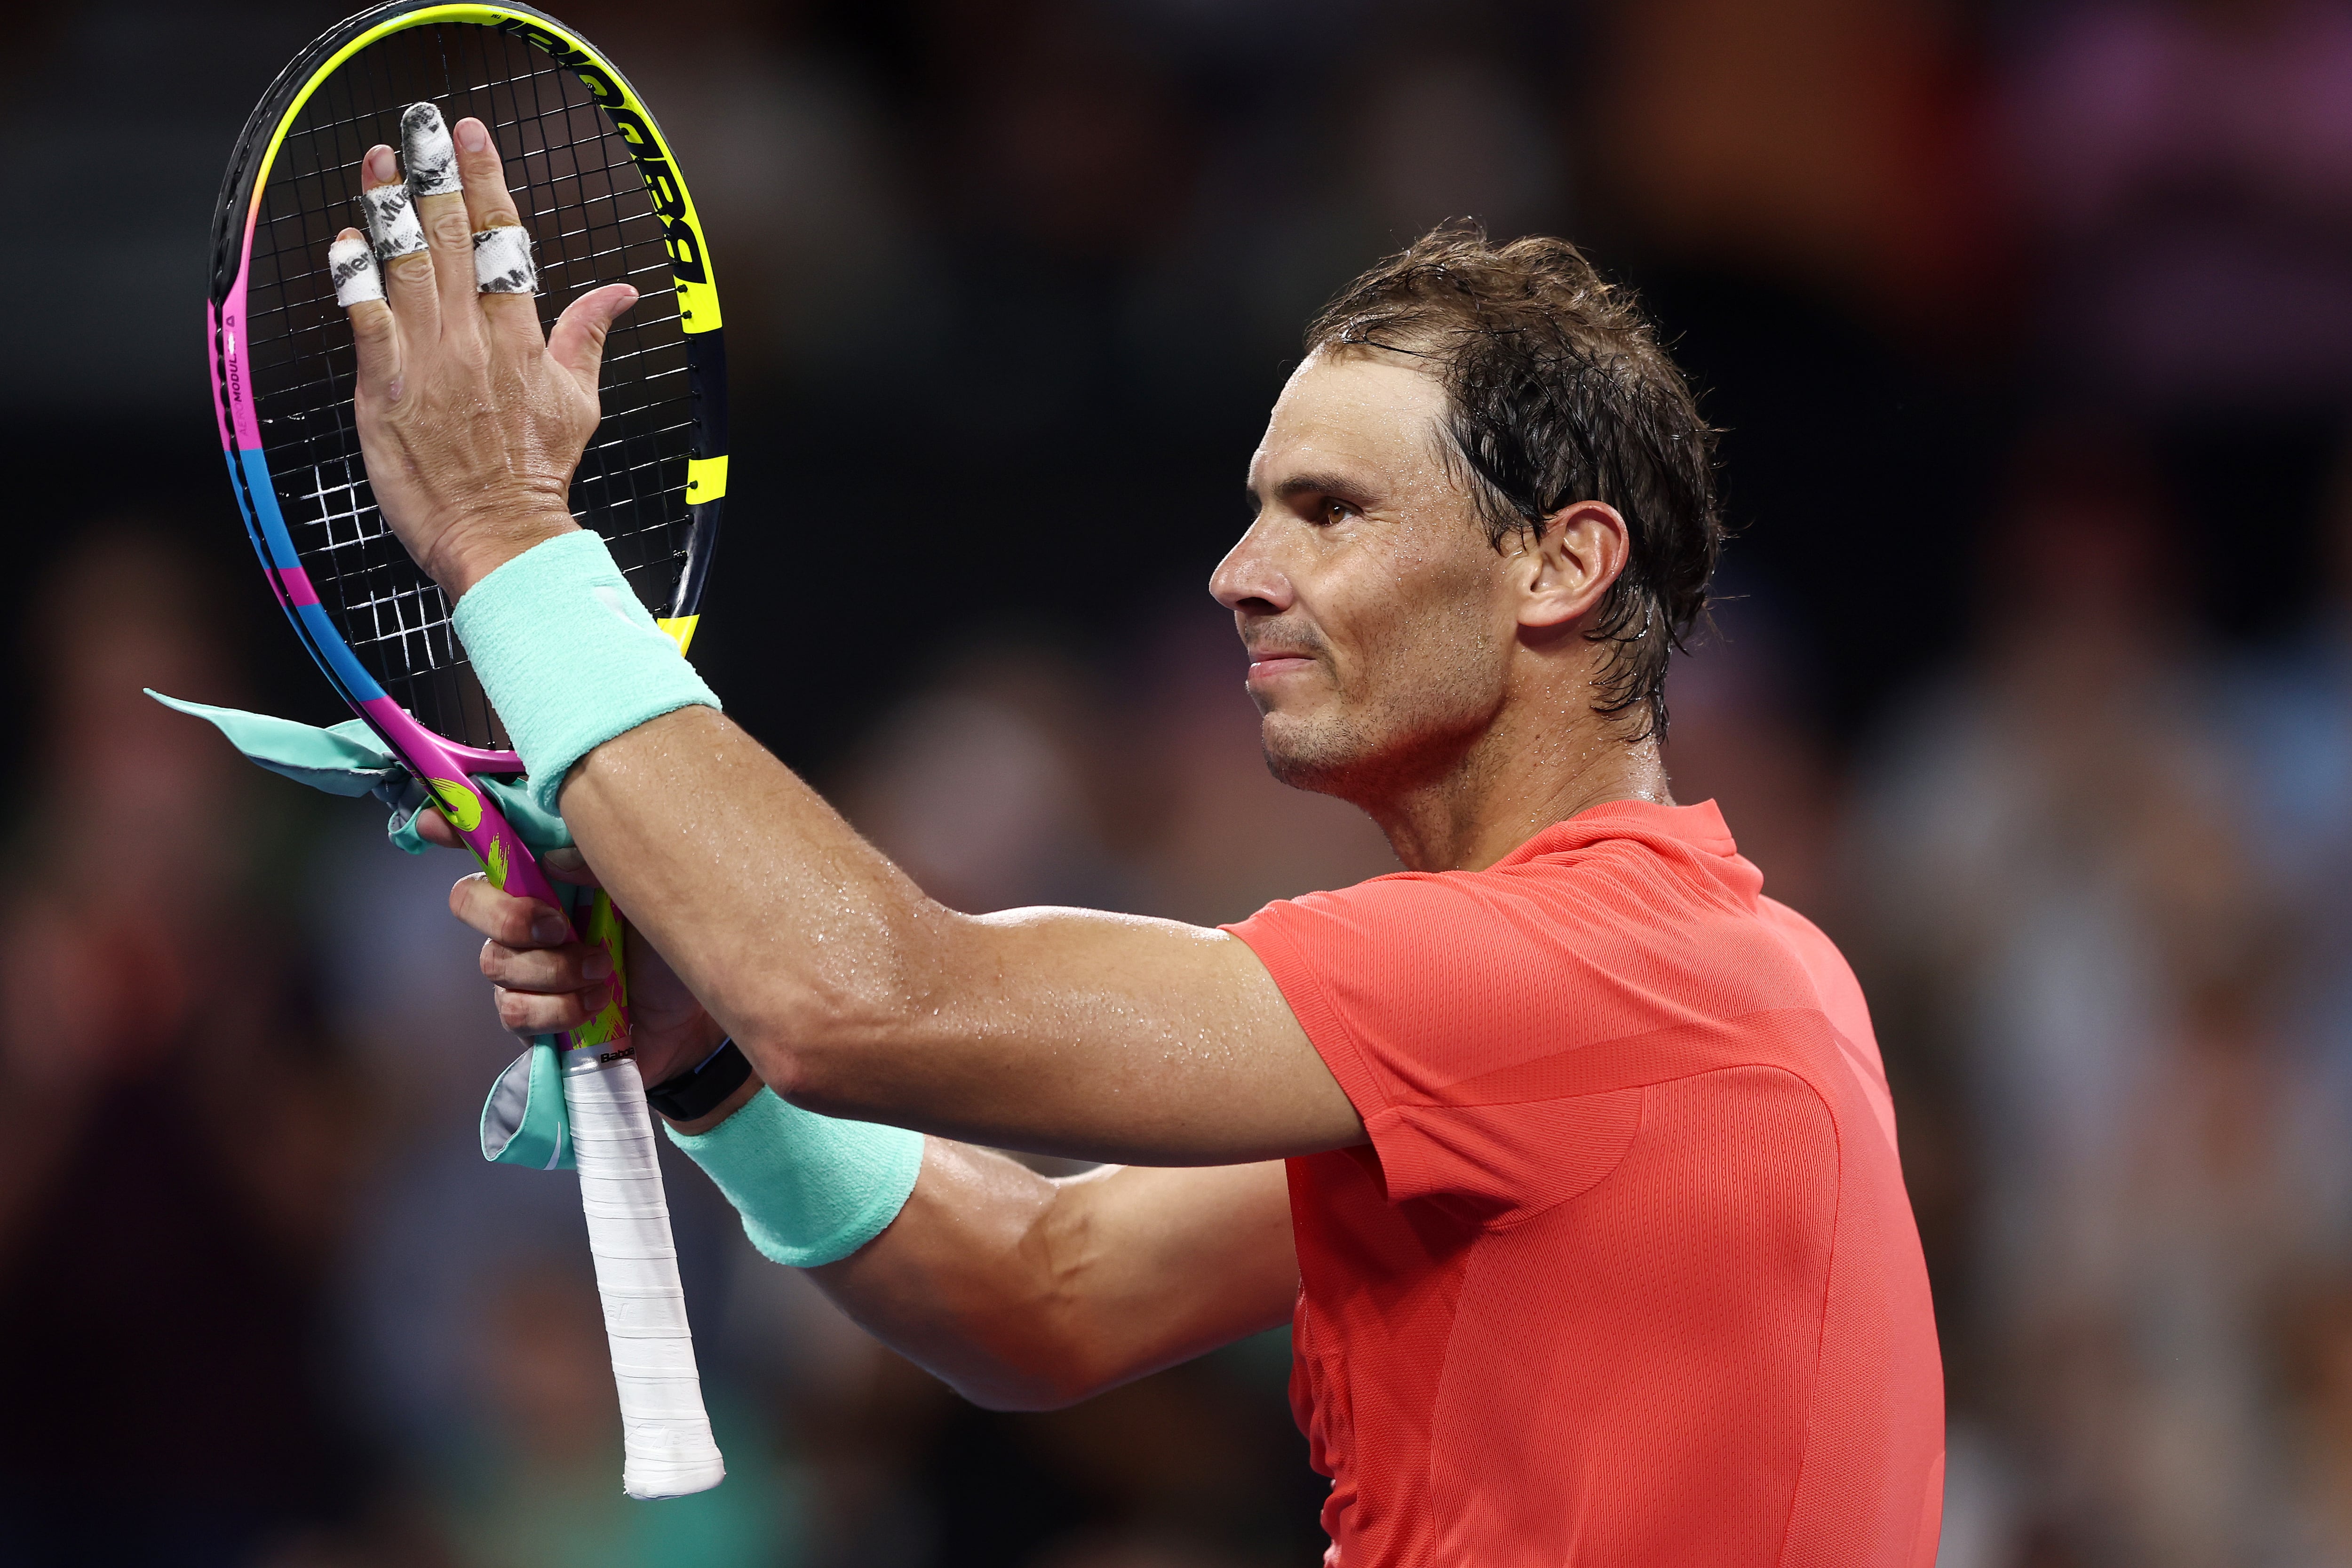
x=667 y=1432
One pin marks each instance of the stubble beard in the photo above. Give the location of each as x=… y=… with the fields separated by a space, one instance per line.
x=1320 y=758
x=1417 y=704
x=1377 y=752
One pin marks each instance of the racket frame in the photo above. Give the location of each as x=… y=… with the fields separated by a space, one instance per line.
x=444 y=766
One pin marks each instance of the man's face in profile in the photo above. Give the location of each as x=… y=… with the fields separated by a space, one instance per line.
x=1376 y=613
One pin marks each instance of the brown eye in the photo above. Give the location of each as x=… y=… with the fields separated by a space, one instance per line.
x=1336 y=510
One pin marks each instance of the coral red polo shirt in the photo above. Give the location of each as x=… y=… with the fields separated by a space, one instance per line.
x=1627 y=1275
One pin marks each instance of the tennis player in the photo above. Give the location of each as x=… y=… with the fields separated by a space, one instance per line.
x=1566 y=1152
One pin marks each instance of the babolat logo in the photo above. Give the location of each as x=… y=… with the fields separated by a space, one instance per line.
x=679 y=238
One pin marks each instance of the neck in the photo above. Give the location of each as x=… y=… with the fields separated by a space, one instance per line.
x=1515 y=779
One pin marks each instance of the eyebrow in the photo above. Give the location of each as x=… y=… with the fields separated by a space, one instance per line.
x=1312 y=484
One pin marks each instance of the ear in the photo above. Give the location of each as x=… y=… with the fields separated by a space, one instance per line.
x=1571 y=565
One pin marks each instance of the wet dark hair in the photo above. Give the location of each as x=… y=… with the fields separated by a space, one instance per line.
x=1559 y=393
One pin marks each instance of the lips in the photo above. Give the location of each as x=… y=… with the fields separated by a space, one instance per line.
x=1269 y=664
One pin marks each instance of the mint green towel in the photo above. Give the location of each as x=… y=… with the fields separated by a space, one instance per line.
x=523 y=1121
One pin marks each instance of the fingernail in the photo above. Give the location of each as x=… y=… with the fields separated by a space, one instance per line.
x=378 y=167
x=598 y=966
x=549 y=927
x=471 y=136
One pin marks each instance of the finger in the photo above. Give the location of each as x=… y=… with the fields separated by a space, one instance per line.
x=547 y=970
x=436 y=829
x=504 y=272
x=399 y=243
x=522 y=1013
x=431 y=160
x=359 y=288
x=504 y=918
x=578 y=342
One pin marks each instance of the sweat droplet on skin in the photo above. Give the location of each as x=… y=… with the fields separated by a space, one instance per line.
x=426 y=152
x=503 y=262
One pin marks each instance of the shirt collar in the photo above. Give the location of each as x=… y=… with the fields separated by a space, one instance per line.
x=1700 y=827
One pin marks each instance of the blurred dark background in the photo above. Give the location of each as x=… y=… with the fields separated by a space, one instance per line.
x=2029 y=327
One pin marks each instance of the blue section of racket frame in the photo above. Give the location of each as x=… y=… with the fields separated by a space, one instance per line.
x=265 y=525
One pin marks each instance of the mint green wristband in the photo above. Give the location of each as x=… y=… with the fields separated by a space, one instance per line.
x=811 y=1189
x=568 y=655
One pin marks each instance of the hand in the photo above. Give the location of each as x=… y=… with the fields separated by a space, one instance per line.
x=546 y=984
x=471 y=422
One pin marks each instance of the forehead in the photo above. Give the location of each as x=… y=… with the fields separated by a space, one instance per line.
x=1359 y=408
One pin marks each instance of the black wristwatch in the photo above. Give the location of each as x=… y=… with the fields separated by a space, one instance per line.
x=699 y=1091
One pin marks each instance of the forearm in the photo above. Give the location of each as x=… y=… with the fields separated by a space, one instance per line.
x=1027 y=1293
x=1019 y=1291
x=958 y=1260
x=783 y=921
x=973 y=1282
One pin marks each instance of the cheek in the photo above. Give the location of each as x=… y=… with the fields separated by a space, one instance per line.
x=1428 y=640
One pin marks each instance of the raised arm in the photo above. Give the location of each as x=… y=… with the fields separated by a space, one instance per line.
x=1063 y=1031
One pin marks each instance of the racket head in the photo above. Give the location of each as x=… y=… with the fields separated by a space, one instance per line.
x=595 y=182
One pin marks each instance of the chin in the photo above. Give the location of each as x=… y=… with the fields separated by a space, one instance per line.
x=1309 y=756
x=1365 y=765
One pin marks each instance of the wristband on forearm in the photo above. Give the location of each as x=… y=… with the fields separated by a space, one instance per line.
x=567 y=657
x=811 y=1189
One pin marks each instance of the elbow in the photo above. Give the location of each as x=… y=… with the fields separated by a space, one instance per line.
x=1027 y=1400
x=1041 y=1385
x=775 y=1055
x=819 y=1048
x=838 y=1040
x=1044 y=1340
x=1053 y=1345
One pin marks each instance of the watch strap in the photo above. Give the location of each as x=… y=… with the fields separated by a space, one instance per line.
x=699 y=1091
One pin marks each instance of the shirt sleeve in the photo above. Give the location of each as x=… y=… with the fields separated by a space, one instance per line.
x=1449 y=1009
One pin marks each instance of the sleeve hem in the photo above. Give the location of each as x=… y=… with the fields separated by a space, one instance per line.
x=1326 y=1030
x=1329 y=1033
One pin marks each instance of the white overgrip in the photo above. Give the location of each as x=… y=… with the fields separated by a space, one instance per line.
x=667 y=1432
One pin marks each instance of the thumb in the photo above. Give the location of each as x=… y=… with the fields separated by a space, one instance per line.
x=578 y=342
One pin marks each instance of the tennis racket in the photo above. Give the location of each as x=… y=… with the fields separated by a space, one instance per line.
x=596 y=185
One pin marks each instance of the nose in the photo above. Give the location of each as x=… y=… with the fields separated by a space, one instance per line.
x=1249 y=580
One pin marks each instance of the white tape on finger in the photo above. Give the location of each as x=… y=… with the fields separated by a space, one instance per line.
x=350 y=262
x=427 y=152
x=503 y=262
x=392 y=221
x=666 y=1433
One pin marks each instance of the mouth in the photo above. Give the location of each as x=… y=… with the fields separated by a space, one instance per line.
x=1272 y=664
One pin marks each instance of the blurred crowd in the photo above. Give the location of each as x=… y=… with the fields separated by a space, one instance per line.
x=2030 y=327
